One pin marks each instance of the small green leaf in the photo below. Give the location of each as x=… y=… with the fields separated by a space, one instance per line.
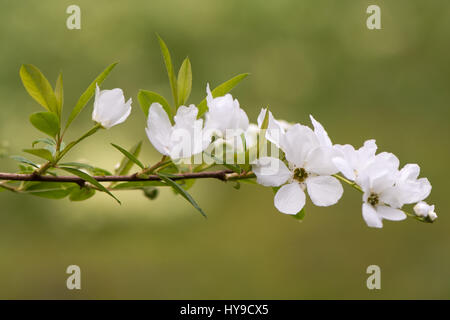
x=95 y=171
x=136 y=185
x=146 y=98
x=46 y=122
x=81 y=194
x=300 y=215
x=87 y=95
x=126 y=164
x=49 y=190
x=38 y=87
x=265 y=123
x=181 y=191
x=168 y=62
x=59 y=93
x=130 y=156
x=46 y=141
x=25 y=161
x=184 y=82
x=89 y=179
x=221 y=90
x=41 y=153
x=151 y=193
x=229 y=166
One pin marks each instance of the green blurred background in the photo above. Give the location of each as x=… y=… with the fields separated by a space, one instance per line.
x=305 y=57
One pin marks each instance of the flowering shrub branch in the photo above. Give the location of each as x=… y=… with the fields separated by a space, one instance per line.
x=213 y=139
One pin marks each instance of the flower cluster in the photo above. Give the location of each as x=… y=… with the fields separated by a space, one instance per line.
x=293 y=159
x=308 y=162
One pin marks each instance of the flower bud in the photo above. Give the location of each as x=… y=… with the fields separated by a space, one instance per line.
x=423 y=209
x=110 y=108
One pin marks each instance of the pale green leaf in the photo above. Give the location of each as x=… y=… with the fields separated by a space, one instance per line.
x=130 y=156
x=184 y=82
x=25 y=161
x=47 y=122
x=146 y=98
x=38 y=87
x=41 y=153
x=169 y=67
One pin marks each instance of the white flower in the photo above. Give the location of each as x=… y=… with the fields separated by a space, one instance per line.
x=423 y=209
x=110 y=108
x=310 y=167
x=275 y=129
x=181 y=140
x=380 y=196
x=410 y=189
x=225 y=118
x=350 y=161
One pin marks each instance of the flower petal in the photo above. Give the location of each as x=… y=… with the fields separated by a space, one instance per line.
x=320 y=132
x=389 y=213
x=324 y=190
x=159 y=128
x=319 y=161
x=271 y=172
x=371 y=217
x=344 y=167
x=290 y=199
x=297 y=142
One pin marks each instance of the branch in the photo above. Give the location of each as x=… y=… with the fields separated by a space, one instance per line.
x=223 y=175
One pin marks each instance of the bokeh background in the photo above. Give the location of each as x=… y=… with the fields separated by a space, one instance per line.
x=305 y=57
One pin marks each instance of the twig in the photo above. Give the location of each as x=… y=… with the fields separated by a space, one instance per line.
x=221 y=175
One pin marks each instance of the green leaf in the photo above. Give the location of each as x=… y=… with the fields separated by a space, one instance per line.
x=300 y=215
x=87 y=95
x=46 y=141
x=81 y=194
x=41 y=153
x=221 y=90
x=49 y=190
x=168 y=62
x=184 y=82
x=181 y=191
x=229 y=166
x=95 y=171
x=26 y=169
x=136 y=185
x=59 y=93
x=265 y=123
x=151 y=193
x=38 y=87
x=126 y=165
x=146 y=98
x=89 y=179
x=46 y=122
x=25 y=161
x=130 y=156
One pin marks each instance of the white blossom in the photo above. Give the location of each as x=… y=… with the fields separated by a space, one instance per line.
x=181 y=140
x=309 y=168
x=275 y=129
x=110 y=108
x=224 y=118
x=350 y=161
x=423 y=209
